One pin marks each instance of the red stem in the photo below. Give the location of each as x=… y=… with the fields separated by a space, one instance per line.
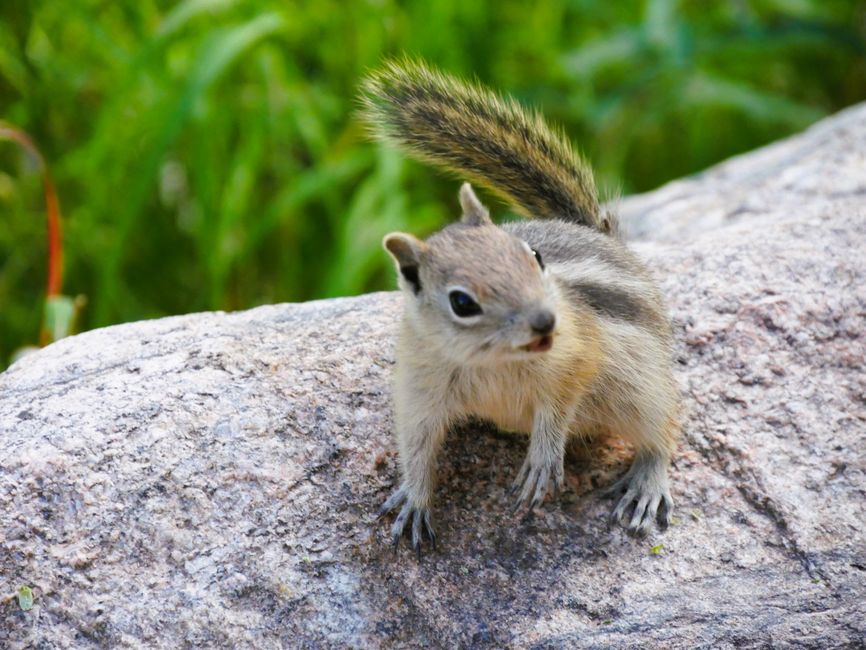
x=55 y=241
x=52 y=209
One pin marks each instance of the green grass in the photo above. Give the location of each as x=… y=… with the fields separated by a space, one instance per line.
x=207 y=156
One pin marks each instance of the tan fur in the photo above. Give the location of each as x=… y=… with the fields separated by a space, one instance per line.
x=509 y=394
x=578 y=345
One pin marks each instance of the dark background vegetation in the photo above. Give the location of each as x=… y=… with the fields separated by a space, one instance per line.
x=206 y=153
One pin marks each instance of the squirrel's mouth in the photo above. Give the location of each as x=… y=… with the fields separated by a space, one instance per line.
x=541 y=344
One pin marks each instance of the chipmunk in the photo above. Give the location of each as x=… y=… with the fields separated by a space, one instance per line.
x=550 y=327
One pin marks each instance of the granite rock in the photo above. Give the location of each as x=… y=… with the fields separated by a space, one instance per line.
x=212 y=480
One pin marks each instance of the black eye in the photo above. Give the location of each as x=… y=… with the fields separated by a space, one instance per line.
x=463 y=305
x=538 y=258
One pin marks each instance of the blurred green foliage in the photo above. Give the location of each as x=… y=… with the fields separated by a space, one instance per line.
x=207 y=156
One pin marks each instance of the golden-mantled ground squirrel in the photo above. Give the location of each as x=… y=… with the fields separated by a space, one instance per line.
x=547 y=326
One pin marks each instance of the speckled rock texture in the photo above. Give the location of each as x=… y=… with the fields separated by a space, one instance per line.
x=212 y=480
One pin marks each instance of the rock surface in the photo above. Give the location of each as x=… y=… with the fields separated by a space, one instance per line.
x=212 y=480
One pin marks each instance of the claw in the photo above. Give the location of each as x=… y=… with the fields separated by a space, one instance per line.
x=663 y=518
x=392 y=502
x=636 y=526
x=419 y=516
x=620 y=513
x=534 y=482
x=646 y=498
x=416 y=533
x=520 y=479
x=648 y=518
x=429 y=528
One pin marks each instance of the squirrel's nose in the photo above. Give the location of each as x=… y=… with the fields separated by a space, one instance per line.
x=542 y=321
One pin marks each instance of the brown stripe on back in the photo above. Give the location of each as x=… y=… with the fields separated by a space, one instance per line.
x=612 y=302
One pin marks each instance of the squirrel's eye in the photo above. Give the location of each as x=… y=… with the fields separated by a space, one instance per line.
x=463 y=305
x=538 y=258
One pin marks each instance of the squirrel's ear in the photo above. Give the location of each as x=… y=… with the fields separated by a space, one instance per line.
x=474 y=212
x=406 y=251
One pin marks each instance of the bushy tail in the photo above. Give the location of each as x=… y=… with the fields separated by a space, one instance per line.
x=493 y=141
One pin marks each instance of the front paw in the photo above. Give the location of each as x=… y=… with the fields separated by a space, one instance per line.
x=535 y=480
x=645 y=498
x=419 y=515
